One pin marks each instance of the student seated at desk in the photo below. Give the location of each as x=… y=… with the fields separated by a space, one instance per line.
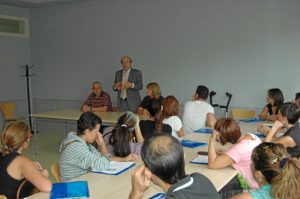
x=16 y=168
x=275 y=100
x=170 y=111
x=277 y=175
x=98 y=100
x=238 y=156
x=153 y=124
x=198 y=113
x=120 y=141
x=288 y=117
x=153 y=95
x=163 y=164
x=78 y=155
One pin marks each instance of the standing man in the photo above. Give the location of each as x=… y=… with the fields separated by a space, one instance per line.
x=128 y=83
x=98 y=100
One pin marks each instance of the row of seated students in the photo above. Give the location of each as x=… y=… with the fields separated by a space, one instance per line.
x=79 y=156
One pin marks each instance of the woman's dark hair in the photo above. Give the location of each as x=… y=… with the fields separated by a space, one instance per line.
x=87 y=120
x=228 y=129
x=121 y=134
x=291 y=111
x=163 y=155
x=155 y=111
x=297 y=96
x=276 y=94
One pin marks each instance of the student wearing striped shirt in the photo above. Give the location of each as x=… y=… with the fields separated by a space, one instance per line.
x=79 y=156
x=98 y=100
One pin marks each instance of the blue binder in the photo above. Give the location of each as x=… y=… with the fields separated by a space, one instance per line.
x=78 y=189
x=192 y=144
x=204 y=130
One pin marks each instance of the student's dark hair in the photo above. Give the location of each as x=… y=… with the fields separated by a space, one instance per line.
x=87 y=120
x=121 y=134
x=163 y=155
x=202 y=92
x=291 y=111
x=228 y=129
x=297 y=96
x=154 y=110
x=277 y=95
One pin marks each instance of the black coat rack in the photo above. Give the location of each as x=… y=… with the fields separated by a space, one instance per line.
x=27 y=69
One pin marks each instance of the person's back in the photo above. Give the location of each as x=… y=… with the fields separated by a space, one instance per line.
x=8 y=184
x=195 y=115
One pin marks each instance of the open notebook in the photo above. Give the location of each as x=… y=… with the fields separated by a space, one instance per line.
x=200 y=159
x=77 y=189
x=116 y=168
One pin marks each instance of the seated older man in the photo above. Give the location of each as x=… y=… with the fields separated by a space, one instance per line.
x=98 y=100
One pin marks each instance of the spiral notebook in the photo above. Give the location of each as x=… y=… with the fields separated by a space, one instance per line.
x=77 y=189
x=116 y=168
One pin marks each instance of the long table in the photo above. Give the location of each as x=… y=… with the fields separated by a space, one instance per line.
x=108 y=118
x=118 y=187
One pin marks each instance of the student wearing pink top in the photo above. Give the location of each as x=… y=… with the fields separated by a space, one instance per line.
x=239 y=155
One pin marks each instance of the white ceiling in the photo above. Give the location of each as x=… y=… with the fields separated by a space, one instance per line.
x=35 y=3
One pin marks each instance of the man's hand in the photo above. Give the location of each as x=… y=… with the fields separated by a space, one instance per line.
x=118 y=85
x=126 y=85
x=140 y=182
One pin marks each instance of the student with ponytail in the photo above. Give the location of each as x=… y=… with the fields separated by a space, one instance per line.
x=78 y=155
x=126 y=138
x=16 y=169
x=277 y=174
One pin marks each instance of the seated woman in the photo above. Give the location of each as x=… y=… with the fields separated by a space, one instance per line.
x=169 y=115
x=153 y=124
x=288 y=117
x=277 y=175
x=16 y=168
x=275 y=100
x=126 y=138
x=297 y=99
x=239 y=155
x=78 y=155
x=153 y=94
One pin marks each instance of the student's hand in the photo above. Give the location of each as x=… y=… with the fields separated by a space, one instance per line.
x=277 y=125
x=99 y=139
x=130 y=158
x=263 y=129
x=45 y=172
x=214 y=137
x=137 y=124
x=38 y=165
x=85 y=108
x=140 y=182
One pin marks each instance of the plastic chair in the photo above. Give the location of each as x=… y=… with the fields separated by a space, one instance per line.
x=3 y=197
x=8 y=109
x=242 y=113
x=55 y=170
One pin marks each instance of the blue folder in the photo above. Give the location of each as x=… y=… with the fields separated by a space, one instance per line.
x=158 y=196
x=204 y=130
x=78 y=189
x=251 y=120
x=192 y=144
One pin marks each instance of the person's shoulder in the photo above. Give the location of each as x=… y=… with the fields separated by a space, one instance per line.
x=105 y=94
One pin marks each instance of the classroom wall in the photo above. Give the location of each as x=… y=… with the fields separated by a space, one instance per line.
x=237 y=46
x=14 y=51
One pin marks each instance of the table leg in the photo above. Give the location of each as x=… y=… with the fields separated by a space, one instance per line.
x=35 y=141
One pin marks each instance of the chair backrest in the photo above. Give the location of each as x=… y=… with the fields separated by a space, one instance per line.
x=8 y=109
x=55 y=171
x=3 y=197
x=242 y=113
